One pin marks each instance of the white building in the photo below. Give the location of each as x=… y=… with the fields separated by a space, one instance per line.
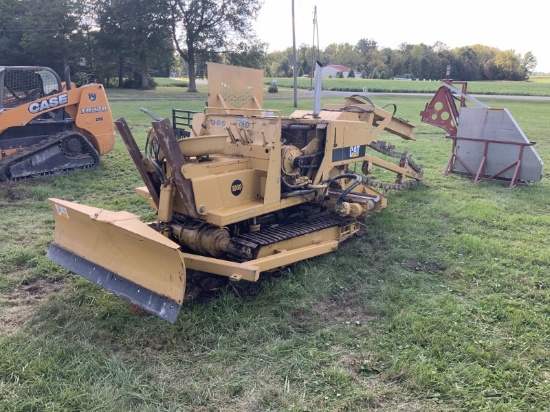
x=333 y=69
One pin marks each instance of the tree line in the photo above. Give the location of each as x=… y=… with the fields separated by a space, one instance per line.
x=125 y=43
x=417 y=61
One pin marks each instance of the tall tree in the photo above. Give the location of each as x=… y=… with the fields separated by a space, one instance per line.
x=248 y=54
x=52 y=29
x=528 y=63
x=278 y=63
x=376 y=65
x=12 y=29
x=342 y=53
x=509 y=66
x=203 y=26
x=368 y=50
x=40 y=33
x=138 y=30
x=304 y=56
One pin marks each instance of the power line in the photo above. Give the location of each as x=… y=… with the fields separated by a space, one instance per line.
x=31 y=30
x=60 y=29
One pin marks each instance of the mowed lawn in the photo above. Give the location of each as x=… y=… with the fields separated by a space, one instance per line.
x=443 y=304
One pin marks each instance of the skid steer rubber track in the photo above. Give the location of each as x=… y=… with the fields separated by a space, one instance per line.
x=63 y=152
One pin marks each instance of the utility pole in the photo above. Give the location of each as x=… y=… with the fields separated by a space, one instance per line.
x=313 y=47
x=294 y=59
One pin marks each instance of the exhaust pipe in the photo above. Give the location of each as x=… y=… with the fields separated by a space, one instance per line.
x=318 y=89
x=68 y=78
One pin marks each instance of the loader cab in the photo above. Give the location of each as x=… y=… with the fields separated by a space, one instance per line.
x=24 y=84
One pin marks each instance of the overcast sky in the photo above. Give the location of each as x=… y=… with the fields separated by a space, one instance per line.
x=514 y=26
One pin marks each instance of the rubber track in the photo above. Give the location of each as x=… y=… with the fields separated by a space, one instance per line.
x=37 y=147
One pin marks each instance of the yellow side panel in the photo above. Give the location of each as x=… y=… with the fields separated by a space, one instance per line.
x=228 y=189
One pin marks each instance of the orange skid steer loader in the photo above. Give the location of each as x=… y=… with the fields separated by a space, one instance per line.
x=48 y=126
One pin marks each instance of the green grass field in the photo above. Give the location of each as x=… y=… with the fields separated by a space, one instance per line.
x=535 y=86
x=442 y=305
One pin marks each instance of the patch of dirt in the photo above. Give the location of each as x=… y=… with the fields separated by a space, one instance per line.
x=342 y=310
x=14 y=192
x=34 y=291
x=20 y=305
x=348 y=308
x=418 y=266
x=364 y=365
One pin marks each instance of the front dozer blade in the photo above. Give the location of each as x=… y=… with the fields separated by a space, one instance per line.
x=120 y=253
